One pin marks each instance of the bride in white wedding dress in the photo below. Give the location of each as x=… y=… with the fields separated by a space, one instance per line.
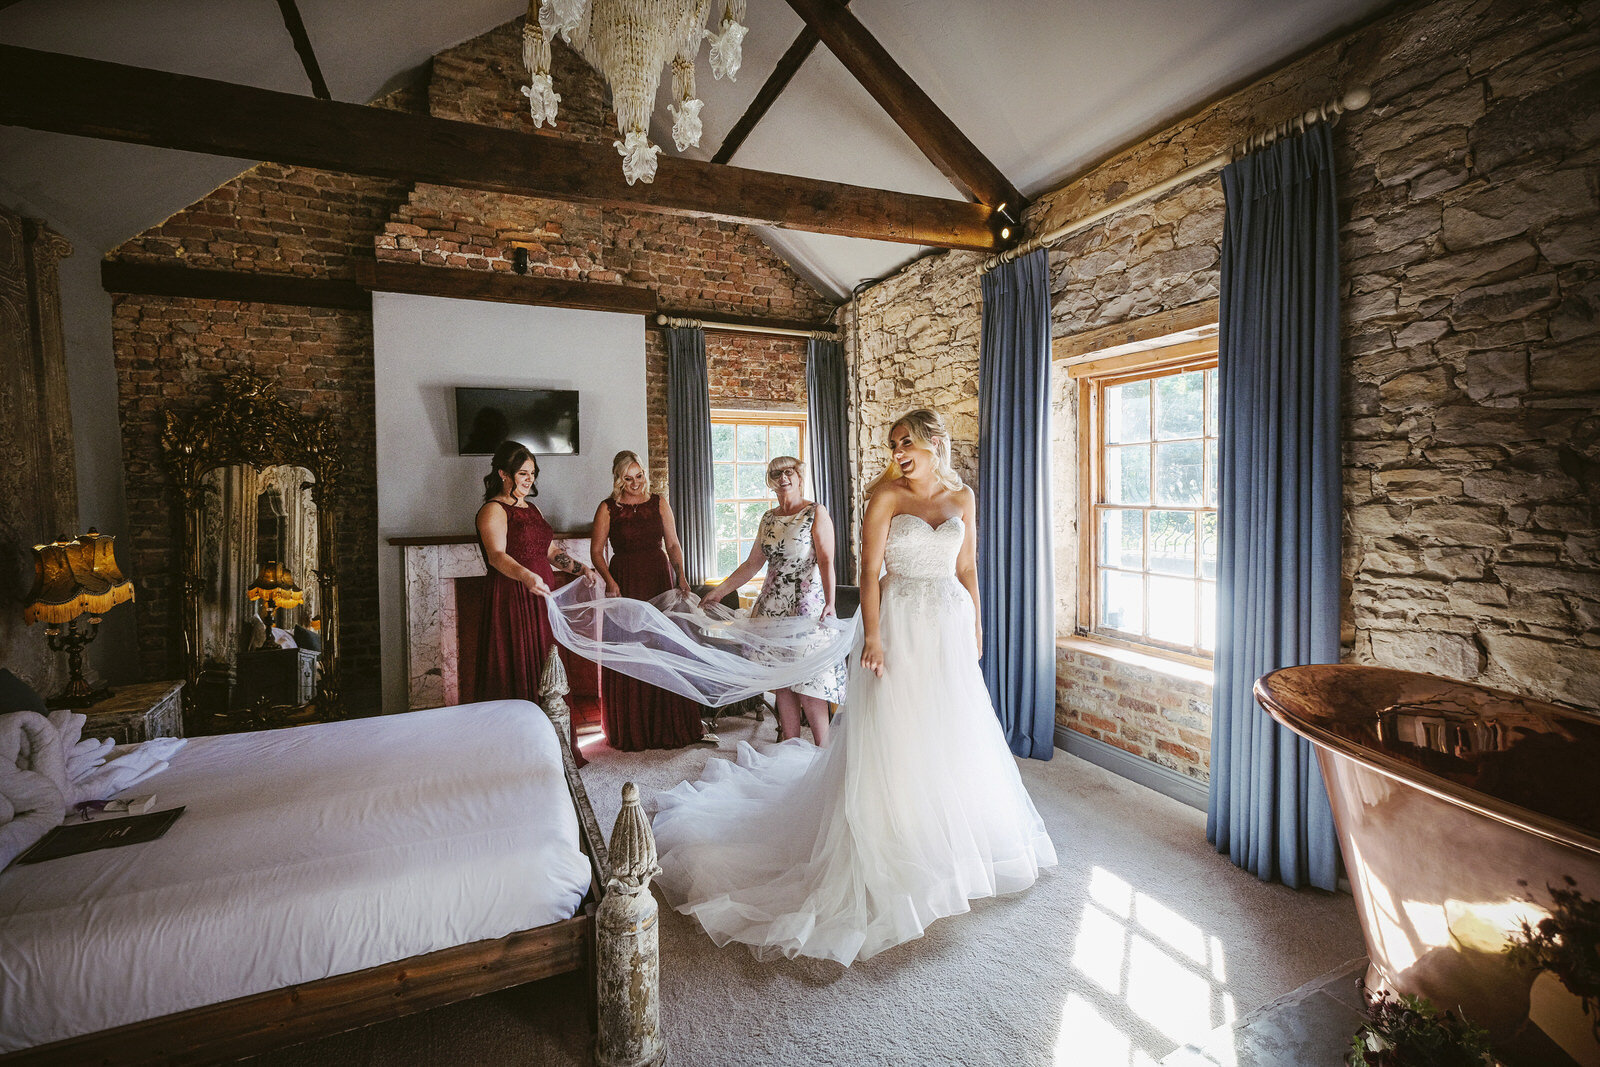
x=916 y=806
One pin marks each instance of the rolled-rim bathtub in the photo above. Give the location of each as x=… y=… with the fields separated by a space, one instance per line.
x=1456 y=807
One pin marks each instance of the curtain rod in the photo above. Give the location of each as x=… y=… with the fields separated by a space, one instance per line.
x=740 y=327
x=1353 y=100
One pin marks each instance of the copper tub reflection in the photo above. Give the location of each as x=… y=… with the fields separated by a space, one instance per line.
x=1454 y=805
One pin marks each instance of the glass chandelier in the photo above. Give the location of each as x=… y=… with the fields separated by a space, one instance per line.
x=629 y=42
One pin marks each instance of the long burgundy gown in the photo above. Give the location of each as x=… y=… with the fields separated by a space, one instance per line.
x=636 y=714
x=514 y=636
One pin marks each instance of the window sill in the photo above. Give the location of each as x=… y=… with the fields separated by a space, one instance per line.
x=1187 y=672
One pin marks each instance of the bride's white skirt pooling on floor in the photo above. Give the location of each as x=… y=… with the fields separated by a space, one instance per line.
x=914 y=809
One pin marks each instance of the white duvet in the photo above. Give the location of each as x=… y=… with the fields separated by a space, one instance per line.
x=303 y=853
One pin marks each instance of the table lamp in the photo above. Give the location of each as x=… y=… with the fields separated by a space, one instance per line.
x=275 y=588
x=73 y=579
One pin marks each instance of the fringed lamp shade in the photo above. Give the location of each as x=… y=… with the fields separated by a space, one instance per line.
x=73 y=578
x=275 y=587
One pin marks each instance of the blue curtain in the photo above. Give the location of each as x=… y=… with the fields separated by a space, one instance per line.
x=1278 y=562
x=1016 y=577
x=827 y=413
x=689 y=485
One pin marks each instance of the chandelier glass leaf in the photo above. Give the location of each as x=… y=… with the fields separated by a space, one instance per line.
x=629 y=42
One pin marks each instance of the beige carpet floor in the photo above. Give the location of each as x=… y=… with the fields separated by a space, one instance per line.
x=1142 y=940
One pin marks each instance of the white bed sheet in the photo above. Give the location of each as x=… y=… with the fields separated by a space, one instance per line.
x=303 y=853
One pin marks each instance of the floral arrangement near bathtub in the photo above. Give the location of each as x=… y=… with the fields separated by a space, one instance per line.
x=1408 y=1031
x=1567 y=944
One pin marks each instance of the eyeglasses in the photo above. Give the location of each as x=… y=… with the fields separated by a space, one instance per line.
x=784 y=474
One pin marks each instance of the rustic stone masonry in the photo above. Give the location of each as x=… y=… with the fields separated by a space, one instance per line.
x=1470 y=235
x=314 y=223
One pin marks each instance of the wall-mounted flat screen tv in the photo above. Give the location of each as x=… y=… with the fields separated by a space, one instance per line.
x=546 y=420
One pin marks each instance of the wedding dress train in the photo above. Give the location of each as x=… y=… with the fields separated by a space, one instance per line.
x=914 y=809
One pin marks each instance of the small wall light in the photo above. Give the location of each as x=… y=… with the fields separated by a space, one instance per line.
x=519 y=260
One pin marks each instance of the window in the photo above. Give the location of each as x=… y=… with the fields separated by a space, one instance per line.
x=1148 y=428
x=741 y=444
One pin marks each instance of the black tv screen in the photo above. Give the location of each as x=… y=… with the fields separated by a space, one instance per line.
x=545 y=420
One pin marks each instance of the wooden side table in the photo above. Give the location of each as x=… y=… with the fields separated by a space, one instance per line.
x=137 y=712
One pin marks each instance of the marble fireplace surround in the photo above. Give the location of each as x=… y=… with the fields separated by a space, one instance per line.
x=430 y=567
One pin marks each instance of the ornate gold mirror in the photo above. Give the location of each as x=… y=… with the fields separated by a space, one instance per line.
x=256 y=481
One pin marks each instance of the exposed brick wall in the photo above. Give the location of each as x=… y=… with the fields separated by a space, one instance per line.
x=170 y=355
x=1155 y=714
x=314 y=223
x=1471 y=322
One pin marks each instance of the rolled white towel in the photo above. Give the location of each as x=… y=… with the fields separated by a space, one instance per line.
x=30 y=806
x=31 y=742
x=127 y=770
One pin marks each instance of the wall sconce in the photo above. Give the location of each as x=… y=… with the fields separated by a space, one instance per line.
x=72 y=580
x=519 y=260
x=275 y=588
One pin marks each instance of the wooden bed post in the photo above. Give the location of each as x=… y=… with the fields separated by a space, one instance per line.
x=628 y=946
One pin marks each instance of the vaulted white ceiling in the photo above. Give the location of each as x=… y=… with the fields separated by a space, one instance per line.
x=1044 y=89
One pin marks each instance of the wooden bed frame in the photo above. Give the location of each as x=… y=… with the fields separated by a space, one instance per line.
x=251 y=1025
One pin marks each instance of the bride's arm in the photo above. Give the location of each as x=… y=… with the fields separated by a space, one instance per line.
x=874 y=532
x=967 y=559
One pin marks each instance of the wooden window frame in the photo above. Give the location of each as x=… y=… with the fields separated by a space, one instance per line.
x=742 y=417
x=1092 y=375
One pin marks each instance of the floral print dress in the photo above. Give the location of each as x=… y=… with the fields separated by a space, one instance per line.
x=793 y=588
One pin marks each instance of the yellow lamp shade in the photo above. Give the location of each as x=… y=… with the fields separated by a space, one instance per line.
x=73 y=578
x=275 y=587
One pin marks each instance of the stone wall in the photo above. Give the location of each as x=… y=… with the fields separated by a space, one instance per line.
x=317 y=224
x=1470 y=235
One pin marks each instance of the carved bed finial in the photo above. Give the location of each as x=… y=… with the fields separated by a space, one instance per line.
x=553 y=690
x=628 y=961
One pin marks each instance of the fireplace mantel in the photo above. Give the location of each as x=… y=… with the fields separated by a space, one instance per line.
x=430 y=566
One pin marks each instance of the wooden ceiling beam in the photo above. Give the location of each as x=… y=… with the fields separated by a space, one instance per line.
x=929 y=128
x=788 y=66
x=501 y=287
x=302 y=44
x=91 y=98
x=246 y=287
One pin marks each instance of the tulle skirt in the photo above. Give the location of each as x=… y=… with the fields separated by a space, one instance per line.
x=914 y=809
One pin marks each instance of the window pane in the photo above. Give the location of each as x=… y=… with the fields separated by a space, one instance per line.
x=722 y=479
x=1211 y=402
x=744 y=550
x=727 y=519
x=721 y=441
x=786 y=441
x=1208 y=616
x=752 y=481
x=1122 y=602
x=1172 y=610
x=728 y=558
x=1178 y=473
x=1128 y=475
x=1128 y=413
x=1122 y=539
x=1180 y=405
x=1208 y=544
x=1211 y=473
x=1171 y=543
x=750 y=518
x=753 y=443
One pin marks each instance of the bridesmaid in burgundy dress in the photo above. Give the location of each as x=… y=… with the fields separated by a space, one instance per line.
x=514 y=637
x=638 y=523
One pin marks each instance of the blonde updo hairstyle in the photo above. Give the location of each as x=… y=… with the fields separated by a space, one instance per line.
x=778 y=463
x=619 y=467
x=928 y=431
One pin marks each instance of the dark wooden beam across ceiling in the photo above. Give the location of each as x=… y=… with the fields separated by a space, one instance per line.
x=161 y=279
x=788 y=66
x=302 y=44
x=90 y=98
x=931 y=130
x=503 y=287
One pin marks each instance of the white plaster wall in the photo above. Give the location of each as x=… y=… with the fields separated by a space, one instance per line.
x=423 y=347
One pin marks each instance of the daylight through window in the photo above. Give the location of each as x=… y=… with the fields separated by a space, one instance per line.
x=741 y=445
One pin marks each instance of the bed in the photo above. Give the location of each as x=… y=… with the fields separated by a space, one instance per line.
x=321 y=878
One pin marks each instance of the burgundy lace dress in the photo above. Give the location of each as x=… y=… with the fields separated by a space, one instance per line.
x=635 y=714
x=514 y=636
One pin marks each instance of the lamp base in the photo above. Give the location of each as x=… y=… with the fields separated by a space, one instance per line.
x=77 y=694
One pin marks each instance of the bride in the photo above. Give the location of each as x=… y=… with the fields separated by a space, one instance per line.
x=916 y=806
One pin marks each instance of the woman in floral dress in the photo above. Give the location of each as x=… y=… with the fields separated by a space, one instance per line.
x=795 y=544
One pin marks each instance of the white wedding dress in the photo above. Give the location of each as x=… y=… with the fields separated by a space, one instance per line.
x=914 y=809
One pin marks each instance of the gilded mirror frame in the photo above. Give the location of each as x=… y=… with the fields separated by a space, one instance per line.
x=250 y=425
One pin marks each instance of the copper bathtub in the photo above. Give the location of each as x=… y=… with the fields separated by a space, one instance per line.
x=1456 y=807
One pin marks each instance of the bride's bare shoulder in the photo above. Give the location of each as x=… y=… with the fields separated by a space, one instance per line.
x=887 y=499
